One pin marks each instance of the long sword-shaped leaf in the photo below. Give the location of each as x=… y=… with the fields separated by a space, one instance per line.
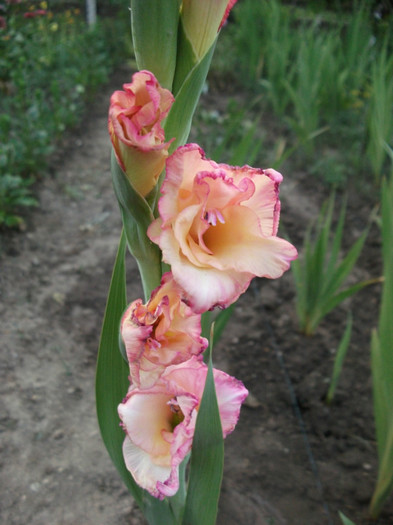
x=338 y=362
x=207 y=459
x=345 y=267
x=222 y=320
x=336 y=243
x=178 y=122
x=111 y=386
x=112 y=373
x=384 y=428
x=380 y=394
x=331 y=302
x=385 y=318
x=382 y=363
x=385 y=477
x=345 y=520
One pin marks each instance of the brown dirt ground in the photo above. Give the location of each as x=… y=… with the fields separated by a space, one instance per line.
x=291 y=460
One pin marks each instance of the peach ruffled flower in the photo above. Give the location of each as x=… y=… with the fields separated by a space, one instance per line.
x=134 y=125
x=163 y=332
x=218 y=227
x=160 y=422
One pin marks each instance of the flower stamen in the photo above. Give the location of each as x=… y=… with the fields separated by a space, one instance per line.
x=178 y=415
x=211 y=217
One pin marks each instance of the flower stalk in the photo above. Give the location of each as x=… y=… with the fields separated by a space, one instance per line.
x=194 y=218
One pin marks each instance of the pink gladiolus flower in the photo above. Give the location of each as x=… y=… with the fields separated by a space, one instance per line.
x=160 y=422
x=134 y=125
x=163 y=332
x=202 y=19
x=218 y=227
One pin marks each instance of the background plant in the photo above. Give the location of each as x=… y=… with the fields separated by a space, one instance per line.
x=380 y=115
x=339 y=359
x=319 y=273
x=319 y=70
x=382 y=362
x=50 y=66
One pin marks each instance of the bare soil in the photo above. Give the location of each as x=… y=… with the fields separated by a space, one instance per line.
x=291 y=460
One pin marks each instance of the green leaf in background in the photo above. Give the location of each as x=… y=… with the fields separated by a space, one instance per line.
x=112 y=372
x=154 y=33
x=207 y=459
x=222 y=320
x=178 y=122
x=382 y=362
x=384 y=428
x=345 y=520
x=137 y=217
x=319 y=274
x=339 y=360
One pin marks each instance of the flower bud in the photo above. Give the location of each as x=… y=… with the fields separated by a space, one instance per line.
x=134 y=125
x=202 y=20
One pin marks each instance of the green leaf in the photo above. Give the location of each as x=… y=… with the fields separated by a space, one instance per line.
x=331 y=302
x=345 y=267
x=177 y=502
x=206 y=323
x=221 y=321
x=185 y=60
x=137 y=217
x=385 y=478
x=385 y=318
x=112 y=373
x=382 y=363
x=384 y=427
x=336 y=244
x=178 y=122
x=154 y=34
x=339 y=360
x=111 y=387
x=381 y=401
x=207 y=459
x=318 y=275
x=345 y=520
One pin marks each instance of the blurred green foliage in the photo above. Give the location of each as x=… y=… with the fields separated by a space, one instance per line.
x=324 y=72
x=51 y=64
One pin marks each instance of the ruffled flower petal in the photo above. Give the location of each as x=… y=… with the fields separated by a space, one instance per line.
x=218 y=227
x=160 y=422
x=134 y=125
x=162 y=332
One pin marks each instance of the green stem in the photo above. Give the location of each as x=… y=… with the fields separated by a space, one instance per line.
x=150 y=273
